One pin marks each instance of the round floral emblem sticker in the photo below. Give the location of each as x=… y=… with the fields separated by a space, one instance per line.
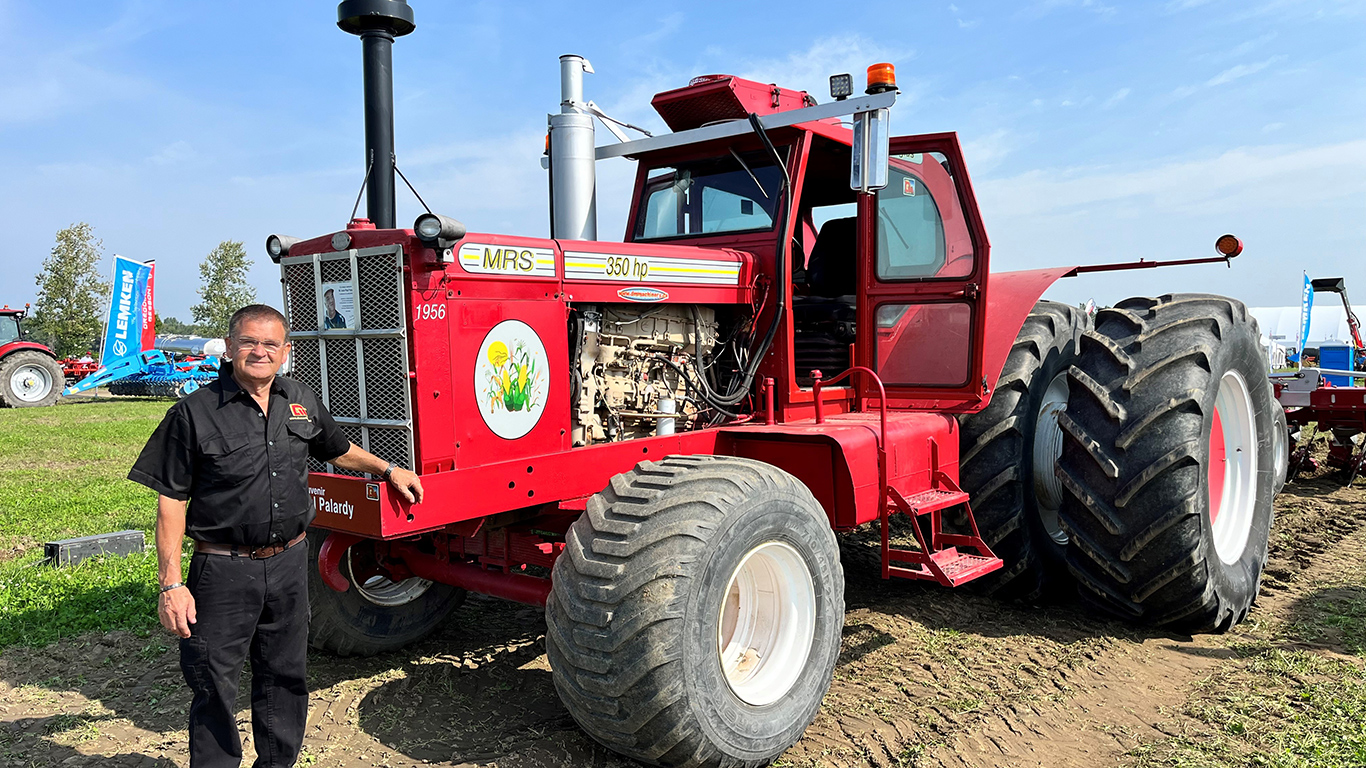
x=510 y=379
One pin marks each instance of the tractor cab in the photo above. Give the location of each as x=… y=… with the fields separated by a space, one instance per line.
x=9 y=325
x=894 y=284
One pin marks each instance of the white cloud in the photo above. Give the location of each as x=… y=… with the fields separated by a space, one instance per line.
x=1116 y=98
x=1228 y=76
x=1294 y=206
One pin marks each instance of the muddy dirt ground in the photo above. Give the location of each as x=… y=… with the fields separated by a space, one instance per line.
x=927 y=677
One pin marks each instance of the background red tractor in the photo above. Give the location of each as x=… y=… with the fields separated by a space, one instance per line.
x=659 y=438
x=30 y=374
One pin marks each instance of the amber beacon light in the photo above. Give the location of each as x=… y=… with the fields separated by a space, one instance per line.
x=881 y=78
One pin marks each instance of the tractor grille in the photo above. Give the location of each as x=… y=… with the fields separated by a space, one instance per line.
x=360 y=372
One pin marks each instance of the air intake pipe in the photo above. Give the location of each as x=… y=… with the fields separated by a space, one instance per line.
x=573 y=158
x=377 y=23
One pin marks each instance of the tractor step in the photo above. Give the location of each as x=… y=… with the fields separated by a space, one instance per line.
x=933 y=500
x=951 y=566
x=938 y=558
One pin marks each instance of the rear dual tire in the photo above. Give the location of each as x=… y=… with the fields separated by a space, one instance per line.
x=1169 y=462
x=696 y=614
x=1008 y=454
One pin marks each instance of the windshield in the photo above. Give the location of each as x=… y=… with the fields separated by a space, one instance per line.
x=9 y=329
x=736 y=193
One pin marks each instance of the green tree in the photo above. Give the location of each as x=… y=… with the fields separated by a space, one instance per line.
x=71 y=293
x=223 y=287
x=171 y=325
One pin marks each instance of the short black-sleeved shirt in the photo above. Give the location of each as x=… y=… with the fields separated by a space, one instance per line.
x=245 y=473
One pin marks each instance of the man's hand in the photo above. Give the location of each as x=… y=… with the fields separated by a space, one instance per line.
x=176 y=610
x=407 y=483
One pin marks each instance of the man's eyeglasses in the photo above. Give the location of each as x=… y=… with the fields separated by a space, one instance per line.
x=271 y=347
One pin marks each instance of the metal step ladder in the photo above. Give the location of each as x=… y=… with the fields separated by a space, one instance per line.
x=938 y=557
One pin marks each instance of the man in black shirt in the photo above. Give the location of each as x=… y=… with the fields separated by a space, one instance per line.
x=237 y=451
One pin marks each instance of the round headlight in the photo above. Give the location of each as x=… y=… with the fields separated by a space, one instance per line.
x=428 y=226
x=277 y=246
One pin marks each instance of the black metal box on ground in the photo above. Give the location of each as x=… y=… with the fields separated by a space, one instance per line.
x=72 y=551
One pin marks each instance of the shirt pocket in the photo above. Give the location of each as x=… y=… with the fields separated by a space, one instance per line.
x=230 y=458
x=302 y=433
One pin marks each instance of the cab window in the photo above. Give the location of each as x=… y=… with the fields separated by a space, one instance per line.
x=9 y=330
x=910 y=231
x=736 y=193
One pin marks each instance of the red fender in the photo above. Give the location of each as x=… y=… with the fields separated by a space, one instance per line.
x=329 y=559
x=1010 y=298
x=17 y=346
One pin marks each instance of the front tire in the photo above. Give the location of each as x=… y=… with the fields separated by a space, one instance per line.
x=30 y=379
x=374 y=615
x=696 y=614
x=1168 y=462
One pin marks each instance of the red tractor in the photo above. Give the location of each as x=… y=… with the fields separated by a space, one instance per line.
x=30 y=374
x=659 y=439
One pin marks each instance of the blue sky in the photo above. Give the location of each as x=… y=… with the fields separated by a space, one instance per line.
x=1095 y=130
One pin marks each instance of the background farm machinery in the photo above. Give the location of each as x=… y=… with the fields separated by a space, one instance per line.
x=1323 y=400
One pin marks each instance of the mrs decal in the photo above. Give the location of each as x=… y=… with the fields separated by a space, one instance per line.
x=486 y=259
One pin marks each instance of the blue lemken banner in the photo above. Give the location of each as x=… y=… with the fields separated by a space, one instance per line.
x=1306 y=309
x=123 y=330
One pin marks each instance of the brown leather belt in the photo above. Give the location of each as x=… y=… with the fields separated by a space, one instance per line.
x=257 y=553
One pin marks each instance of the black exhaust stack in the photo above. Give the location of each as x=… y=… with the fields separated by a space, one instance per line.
x=378 y=22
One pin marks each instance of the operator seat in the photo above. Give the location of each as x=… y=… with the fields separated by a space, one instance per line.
x=832 y=270
x=824 y=320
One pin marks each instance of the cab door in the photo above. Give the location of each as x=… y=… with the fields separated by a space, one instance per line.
x=922 y=257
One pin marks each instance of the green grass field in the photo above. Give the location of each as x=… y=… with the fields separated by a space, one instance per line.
x=64 y=476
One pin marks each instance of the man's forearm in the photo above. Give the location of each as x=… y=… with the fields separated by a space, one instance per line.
x=170 y=538
x=357 y=459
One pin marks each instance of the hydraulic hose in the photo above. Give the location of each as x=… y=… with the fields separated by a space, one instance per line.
x=780 y=282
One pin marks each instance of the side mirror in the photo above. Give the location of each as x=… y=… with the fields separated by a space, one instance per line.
x=871 y=150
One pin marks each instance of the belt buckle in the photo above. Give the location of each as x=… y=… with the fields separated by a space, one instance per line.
x=256 y=554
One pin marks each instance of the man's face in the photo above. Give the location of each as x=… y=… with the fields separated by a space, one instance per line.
x=258 y=348
x=330 y=299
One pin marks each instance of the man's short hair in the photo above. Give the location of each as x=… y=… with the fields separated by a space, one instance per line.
x=329 y=292
x=256 y=312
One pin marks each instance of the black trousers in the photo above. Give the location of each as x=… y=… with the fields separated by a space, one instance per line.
x=248 y=606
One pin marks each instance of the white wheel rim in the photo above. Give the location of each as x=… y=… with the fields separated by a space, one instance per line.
x=767 y=623
x=30 y=383
x=1232 y=468
x=386 y=592
x=1047 y=451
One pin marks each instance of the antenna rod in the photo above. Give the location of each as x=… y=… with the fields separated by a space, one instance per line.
x=377 y=23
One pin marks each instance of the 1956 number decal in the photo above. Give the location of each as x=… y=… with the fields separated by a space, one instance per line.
x=435 y=311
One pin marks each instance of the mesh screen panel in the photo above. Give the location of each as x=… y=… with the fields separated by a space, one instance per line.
x=343 y=391
x=382 y=369
x=306 y=369
x=336 y=270
x=380 y=306
x=384 y=392
x=353 y=433
x=301 y=301
x=390 y=444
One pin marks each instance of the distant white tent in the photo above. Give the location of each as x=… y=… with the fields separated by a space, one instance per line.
x=1328 y=325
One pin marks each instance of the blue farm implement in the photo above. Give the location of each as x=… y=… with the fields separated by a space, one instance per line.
x=151 y=373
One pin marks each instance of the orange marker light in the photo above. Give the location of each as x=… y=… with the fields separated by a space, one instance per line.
x=1229 y=246
x=881 y=78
